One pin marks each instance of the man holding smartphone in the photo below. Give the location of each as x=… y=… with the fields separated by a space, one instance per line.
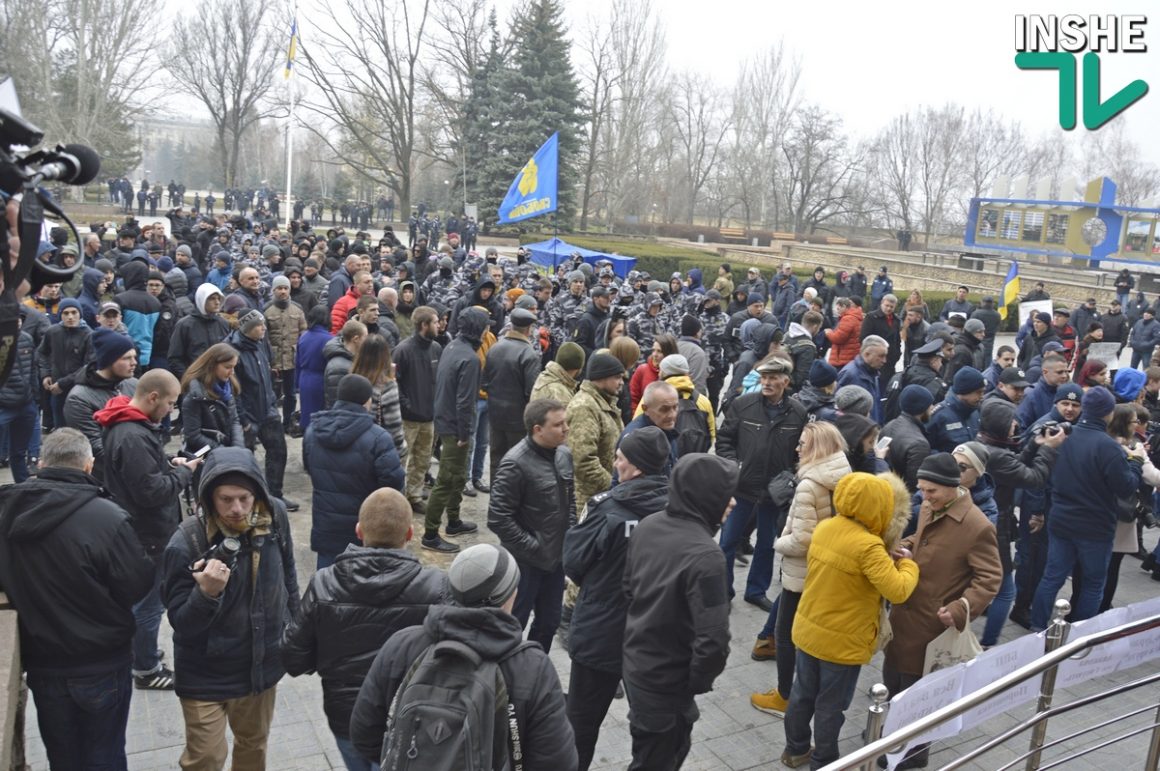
x=148 y=484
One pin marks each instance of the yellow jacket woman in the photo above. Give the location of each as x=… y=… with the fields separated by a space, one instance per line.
x=848 y=573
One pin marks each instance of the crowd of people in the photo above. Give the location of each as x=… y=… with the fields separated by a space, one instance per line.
x=636 y=439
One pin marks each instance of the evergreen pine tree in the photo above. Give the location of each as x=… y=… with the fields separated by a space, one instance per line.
x=538 y=94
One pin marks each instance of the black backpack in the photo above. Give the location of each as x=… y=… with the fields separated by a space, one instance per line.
x=692 y=427
x=892 y=409
x=452 y=713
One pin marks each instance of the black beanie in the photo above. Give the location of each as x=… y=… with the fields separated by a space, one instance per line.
x=646 y=448
x=355 y=389
x=604 y=365
x=941 y=469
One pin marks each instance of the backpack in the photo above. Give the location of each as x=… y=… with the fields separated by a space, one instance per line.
x=692 y=427
x=892 y=409
x=452 y=713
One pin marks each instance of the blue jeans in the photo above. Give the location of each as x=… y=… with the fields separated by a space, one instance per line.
x=761 y=565
x=20 y=424
x=1141 y=356
x=350 y=756
x=82 y=719
x=1123 y=299
x=822 y=692
x=1062 y=553
x=480 y=433
x=543 y=592
x=998 y=611
x=147 y=613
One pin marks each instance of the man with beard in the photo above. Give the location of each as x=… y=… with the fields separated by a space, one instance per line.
x=416 y=360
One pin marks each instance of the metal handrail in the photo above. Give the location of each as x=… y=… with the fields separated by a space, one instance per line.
x=862 y=757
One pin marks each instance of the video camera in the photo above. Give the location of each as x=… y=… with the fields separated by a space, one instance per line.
x=20 y=178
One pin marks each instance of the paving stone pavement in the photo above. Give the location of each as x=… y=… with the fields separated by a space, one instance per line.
x=729 y=735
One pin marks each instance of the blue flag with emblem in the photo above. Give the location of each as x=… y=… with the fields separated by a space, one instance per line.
x=533 y=191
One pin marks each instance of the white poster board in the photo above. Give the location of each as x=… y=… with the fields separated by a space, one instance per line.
x=1108 y=353
x=931 y=693
x=1035 y=306
x=1000 y=662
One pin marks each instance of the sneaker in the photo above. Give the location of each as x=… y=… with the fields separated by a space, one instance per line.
x=741 y=559
x=161 y=680
x=479 y=485
x=468 y=491
x=435 y=543
x=460 y=527
x=291 y=504
x=1148 y=564
x=770 y=701
x=794 y=761
x=764 y=649
x=417 y=507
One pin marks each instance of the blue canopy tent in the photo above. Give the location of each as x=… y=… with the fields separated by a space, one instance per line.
x=555 y=252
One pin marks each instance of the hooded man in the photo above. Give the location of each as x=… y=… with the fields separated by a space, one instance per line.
x=228 y=613
x=456 y=392
x=194 y=334
x=676 y=638
x=93 y=286
x=140 y=310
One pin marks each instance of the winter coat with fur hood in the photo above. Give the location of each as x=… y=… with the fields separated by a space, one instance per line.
x=811 y=504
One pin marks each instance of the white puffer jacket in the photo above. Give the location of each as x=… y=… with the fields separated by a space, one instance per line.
x=811 y=504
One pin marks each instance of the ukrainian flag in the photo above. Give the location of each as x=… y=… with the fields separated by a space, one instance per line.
x=1010 y=291
x=292 y=50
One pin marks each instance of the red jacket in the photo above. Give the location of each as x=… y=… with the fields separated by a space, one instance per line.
x=641 y=377
x=845 y=339
x=340 y=313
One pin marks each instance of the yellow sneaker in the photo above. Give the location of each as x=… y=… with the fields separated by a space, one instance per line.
x=770 y=701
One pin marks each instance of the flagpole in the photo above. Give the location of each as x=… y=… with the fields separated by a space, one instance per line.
x=290 y=121
x=290 y=158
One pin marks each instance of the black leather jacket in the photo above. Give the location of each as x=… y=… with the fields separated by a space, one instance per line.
x=532 y=503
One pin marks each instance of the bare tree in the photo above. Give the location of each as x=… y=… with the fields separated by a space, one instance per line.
x=893 y=158
x=990 y=148
x=598 y=77
x=764 y=98
x=818 y=171
x=940 y=138
x=224 y=55
x=629 y=138
x=446 y=76
x=1111 y=153
x=79 y=67
x=695 y=107
x=367 y=77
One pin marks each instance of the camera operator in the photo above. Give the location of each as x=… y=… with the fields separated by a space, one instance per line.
x=1031 y=546
x=76 y=625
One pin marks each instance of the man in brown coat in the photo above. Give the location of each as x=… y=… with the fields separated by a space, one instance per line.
x=285 y=321
x=958 y=558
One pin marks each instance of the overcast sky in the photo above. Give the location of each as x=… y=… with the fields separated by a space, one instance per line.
x=870 y=61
